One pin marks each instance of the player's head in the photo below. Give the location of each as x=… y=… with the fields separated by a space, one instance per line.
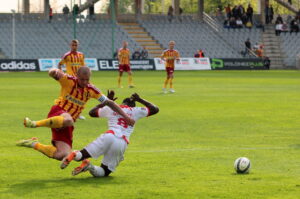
x=83 y=75
x=74 y=45
x=125 y=44
x=129 y=102
x=171 y=45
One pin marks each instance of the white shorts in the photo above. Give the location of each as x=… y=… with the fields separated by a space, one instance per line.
x=109 y=145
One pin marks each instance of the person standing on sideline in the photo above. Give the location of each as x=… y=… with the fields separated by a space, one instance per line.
x=50 y=14
x=73 y=60
x=250 y=13
x=74 y=94
x=199 y=54
x=169 y=56
x=113 y=143
x=124 y=64
x=144 y=53
x=247 y=47
x=66 y=12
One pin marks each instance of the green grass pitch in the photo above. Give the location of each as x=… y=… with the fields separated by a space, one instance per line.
x=185 y=151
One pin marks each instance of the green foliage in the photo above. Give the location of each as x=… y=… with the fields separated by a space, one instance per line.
x=191 y=6
x=126 y=6
x=186 y=151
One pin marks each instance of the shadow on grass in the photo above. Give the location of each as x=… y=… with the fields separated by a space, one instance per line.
x=38 y=185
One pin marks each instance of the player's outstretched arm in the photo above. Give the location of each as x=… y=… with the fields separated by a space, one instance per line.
x=153 y=109
x=94 y=111
x=55 y=73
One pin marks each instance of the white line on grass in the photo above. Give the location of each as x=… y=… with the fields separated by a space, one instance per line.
x=192 y=149
x=208 y=149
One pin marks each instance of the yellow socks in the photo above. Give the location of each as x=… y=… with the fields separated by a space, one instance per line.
x=130 y=80
x=166 y=83
x=119 y=81
x=52 y=122
x=48 y=150
x=171 y=83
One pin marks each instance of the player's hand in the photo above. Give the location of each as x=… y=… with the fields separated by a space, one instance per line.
x=111 y=95
x=55 y=73
x=130 y=121
x=135 y=97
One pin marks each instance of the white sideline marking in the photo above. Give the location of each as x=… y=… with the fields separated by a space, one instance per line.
x=209 y=149
x=189 y=149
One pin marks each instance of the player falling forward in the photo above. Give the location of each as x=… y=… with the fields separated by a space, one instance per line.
x=73 y=60
x=113 y=143
x=74 y=94
x=124 y=64
x=169 y=56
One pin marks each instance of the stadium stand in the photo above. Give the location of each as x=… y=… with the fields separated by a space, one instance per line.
x=290 y=44
x=237 y=37
x=189 y=35
x=36 y=38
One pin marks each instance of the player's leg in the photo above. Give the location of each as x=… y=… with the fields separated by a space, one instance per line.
x=103 y=145
x=57 y=121
x=171 y=77
x=94 y=149
x=130 y=82
x=119 y=78
x=62 y=150
x=112 y=158
x=95 y=171
x=75 y=155
x=166 y=81
x=47 y=150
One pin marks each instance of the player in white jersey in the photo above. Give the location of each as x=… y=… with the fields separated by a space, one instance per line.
x=113 y=143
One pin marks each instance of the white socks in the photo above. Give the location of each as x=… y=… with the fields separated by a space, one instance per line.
x=96 y=171
x=78 y=156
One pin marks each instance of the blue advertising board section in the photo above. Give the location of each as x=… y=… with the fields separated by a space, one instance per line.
x=46 y=64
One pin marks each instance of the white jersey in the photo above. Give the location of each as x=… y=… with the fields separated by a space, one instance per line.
x=117 y=123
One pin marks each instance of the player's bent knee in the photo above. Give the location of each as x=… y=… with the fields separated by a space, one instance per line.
x=60 y=155
x=68 y=122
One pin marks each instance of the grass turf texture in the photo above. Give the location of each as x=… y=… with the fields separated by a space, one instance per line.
x=186 y=151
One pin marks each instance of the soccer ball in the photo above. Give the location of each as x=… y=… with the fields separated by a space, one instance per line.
x=242 y=165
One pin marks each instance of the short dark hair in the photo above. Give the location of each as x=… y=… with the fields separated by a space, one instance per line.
x=129 y=102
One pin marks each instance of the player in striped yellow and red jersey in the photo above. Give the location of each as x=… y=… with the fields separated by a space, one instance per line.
x=170 y=56
x=75 y=92
x=124 y=64
x=72 y=59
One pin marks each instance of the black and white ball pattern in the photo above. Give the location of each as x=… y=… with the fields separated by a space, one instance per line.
x=242 y=165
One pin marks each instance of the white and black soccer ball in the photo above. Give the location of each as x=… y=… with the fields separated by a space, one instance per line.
x=242 y=165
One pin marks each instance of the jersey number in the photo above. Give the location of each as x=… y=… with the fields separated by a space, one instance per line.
x=122 y=122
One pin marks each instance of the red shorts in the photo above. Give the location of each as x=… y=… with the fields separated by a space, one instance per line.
x=170 y=70
x=64 y=134
x=124 y=67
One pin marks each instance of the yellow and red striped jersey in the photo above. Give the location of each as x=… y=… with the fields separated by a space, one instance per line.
x=73 y=98
x=72 y=61
x=170 y=56
x=124 y=55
